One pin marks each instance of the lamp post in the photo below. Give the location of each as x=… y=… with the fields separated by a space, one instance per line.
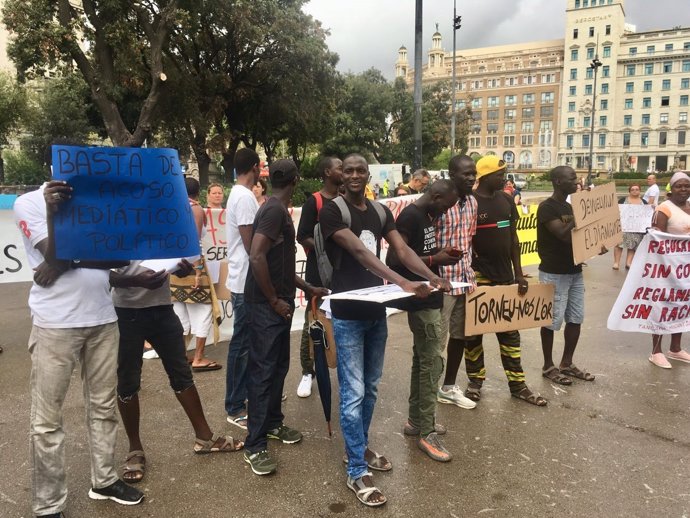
x=595 y=64
x=457 y=20
x=417 y=160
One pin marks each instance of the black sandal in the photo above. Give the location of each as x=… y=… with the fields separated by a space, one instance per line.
x=527 y=395
x=553 y=374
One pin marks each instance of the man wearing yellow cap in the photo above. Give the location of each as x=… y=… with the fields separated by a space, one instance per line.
x=496 y=261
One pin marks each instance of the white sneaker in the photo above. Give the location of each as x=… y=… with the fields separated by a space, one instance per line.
x=150 y=354
x=304 y=387
x=454 y=396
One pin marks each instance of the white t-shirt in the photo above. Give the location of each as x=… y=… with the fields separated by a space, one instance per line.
x=80 y=297
x=652 y=191
x=240 y=210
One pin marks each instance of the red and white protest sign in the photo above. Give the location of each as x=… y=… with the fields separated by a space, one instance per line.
x=655 y=297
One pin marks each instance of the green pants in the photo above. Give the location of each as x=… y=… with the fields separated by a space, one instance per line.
x=427 y=367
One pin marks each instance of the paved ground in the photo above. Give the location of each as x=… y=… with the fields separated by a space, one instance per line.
x=615 y=447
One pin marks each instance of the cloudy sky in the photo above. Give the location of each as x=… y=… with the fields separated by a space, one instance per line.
x=368 y=33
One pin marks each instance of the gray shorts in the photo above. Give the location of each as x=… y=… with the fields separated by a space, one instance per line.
x=453 y=316
x=568 y=298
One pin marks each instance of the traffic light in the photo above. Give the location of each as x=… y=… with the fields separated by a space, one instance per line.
x=457 y=22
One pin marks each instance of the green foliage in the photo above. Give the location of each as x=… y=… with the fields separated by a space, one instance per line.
x=22 y=169
x=305 y=187
x=629 y=175
x=12 y=107
x=441 y=160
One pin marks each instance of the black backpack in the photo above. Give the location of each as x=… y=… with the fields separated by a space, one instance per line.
x=323 y=263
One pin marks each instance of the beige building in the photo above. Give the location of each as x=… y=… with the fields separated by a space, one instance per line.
x=5 y=64
x=532 y=103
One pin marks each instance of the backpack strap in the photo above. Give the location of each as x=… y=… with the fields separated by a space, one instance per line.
x=319 y=203
x=380 y=211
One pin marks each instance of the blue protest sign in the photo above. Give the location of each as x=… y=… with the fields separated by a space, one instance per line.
x=127 y=203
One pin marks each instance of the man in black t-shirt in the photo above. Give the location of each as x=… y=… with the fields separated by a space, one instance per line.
x=496 y=261
x=330 y=169
x=555 y=222
x=360 y=327
x=269 y=293
x=416 y=224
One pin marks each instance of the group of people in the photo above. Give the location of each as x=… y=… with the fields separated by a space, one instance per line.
x=451 y=239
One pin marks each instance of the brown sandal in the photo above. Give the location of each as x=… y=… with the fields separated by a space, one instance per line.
x=574 y=372
x=527 y=395
x=217 y=444
x=133 y=471
x=553 y=374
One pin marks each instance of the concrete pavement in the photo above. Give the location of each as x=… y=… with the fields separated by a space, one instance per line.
x=615 y=447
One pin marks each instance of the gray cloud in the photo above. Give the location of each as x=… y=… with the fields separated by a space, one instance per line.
x=368 y=33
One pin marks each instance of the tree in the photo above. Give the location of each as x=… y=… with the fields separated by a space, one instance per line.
x=117 y=46
x=12 y=108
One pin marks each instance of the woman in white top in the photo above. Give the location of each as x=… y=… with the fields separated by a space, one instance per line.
x=631 y=240
x=672 y=216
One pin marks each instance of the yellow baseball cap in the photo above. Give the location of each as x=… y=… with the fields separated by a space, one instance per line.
x=489 y=164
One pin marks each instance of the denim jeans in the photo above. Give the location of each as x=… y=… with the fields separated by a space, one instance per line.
x=238 y=354
x=568 y=298
x=54 y=355
x=269 y=362
x=360 y=348
x=427 y=367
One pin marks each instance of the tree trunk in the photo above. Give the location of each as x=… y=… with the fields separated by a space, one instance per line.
x=202 y=158
x=229 y=160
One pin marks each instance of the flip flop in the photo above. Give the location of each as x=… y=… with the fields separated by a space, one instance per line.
x=553 y=374
x=134 y=469
x=574 y=372
x=212 y=366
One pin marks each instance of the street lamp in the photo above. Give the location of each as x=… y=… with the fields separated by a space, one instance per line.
x=457 y=23
x=595 y=64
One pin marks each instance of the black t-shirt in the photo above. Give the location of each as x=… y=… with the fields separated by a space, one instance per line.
x=351 y=275
x=420 y=231
x=556 y=256
x=492 y=244
x=273 y=221
x=305 y=229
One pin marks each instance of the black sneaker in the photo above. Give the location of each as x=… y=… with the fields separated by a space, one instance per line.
x=285 y=434
x=118 y=492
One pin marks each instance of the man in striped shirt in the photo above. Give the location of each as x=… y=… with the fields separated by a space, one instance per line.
x=454 y=230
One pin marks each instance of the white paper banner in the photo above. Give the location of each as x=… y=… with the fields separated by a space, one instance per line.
x=636 y=218
x=655 y=297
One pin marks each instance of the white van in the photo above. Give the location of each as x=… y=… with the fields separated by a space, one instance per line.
x=518 y=179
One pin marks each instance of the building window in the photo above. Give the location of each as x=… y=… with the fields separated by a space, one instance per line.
x=477 y=102
x=590 y=53
x=585 y=3
x=491 y=141
x=645 y=119
x=527 y=127
x=573 y=55
x=629 y=88
x=577 y=6
x=509 y=113
x=604 y=104
x=527 y=140
x=589 y=73
x=683 y=117
x=571 y=122
x=626 y=139
x=603 y=120
x=605 y=71
x=591 y=32
x=630 y=70
x=667 y=67
x=492 y=101
x=528 y=113
x=492 y=127
x=685 y=83
x=663 y=118
x=650 y=49
x=668 y=47
x=649 y=69
x=585 y=140
x=509 y=128
x=546 y=112
x=662 y=138
x=527 y=98
x=683 y=100
x=628 y=104
x=511 y=100
x=492 y=115
x=586 y=121
x=647 y=87
x=572 y=90
x=627 y=120
x=681 y=138
x=604 y=88
x=547 y=98
x=665 y=100
x=686 y=45
x=509 y=140
x=575 y=30
x=644 y=138
x=477 y=115
x=571 y=106
x=573 y=74
x=646 y=102
x=632 y=51
x=608 y=27
x=569 y=141
x=685 y=67
x=607 y=52
x=588 y=89
x=602 y=139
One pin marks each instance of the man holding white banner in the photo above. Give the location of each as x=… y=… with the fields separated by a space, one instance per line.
x=655 y=298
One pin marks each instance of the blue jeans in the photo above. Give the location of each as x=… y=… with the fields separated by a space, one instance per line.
x=360 y=348
x=568 y=298
x=238 y=354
